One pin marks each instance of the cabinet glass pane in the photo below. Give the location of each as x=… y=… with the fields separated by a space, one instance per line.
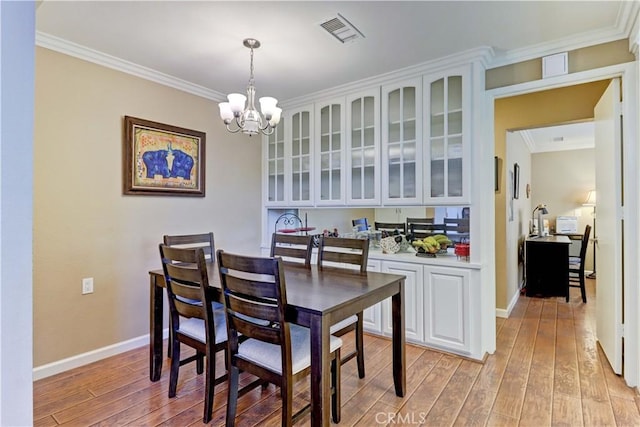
x=454 y=90
x=305 y=130
x=437 y=125
x=295 y=126
x=394 y=152
x=394 y=132
x=272 y=150
x=356 y=160
x=369 y=182
x=356 y=110
x=369 y=111
x=272 y=188
x=295 y=186
x=454 y=173
x=409 y=128
x=409 y=179
x=370 y=157
x=356 y=183
x=306 y=162
x=335 y=161
x=324 y=120
x=335 y=141
x=409 y=104
x=306 y=146
x=295 y=164
x=324 y=162
x=324 y=185
x=335 y=117
x=437 y=97
x=409 y=152
x=455 y=123
x=272 y=167
x=295 y=147
x=454 y=148
x=280 y=167
x=437 y=148
x=356 y=138
x=369 y=137
x=335 y=184
x=394 y=106
x=394 y=181
x=437 y=178
x=306 y=193
x=324 y=143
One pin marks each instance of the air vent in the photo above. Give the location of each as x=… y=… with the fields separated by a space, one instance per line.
x=558 y=139
x=340 y=28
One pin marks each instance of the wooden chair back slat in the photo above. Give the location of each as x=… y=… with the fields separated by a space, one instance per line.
x=202 y=240
x=339 y=249
x=391 y=227
x=292 y=246
x=251 y=288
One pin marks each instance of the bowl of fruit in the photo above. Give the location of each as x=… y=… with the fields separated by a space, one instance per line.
x=432 y=245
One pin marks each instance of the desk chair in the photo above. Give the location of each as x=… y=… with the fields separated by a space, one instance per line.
x=391 y=227
x=576 y=267
x=341 y=250
x=292 y=246
x=194 y=322
x=275 y=350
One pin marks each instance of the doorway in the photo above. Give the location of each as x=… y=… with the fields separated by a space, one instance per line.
x=508 y=107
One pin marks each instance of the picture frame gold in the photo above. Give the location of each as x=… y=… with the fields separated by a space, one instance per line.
x=162 y=160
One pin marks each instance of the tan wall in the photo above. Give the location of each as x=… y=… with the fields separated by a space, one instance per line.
x=563 y=105
x=587 y=58
x=85 y=227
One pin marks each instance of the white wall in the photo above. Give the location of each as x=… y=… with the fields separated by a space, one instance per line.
x=518 y=211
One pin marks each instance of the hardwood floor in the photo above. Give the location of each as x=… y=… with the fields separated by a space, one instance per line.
x=547 y=370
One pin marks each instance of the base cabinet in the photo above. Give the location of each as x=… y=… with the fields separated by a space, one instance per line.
x=441 y=307
x=446 y=308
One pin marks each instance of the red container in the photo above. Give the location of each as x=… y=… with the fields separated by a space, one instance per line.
x=461 y=250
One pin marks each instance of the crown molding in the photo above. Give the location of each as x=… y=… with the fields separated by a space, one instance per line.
x=482 y=55
x=78 y=51
x=528 y=140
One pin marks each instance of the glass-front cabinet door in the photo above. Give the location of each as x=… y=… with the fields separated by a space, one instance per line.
x=301 y=158
x=402 y=142
x=330 y=163
x=363 y=148
x=446 y=158
x=274 y=166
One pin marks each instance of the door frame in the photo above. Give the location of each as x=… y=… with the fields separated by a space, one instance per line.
x=628 y=73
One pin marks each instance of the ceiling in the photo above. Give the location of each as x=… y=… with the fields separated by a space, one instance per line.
x=574 y=136
x=200 y=42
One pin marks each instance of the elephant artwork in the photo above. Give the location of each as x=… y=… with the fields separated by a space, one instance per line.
x=168 y=163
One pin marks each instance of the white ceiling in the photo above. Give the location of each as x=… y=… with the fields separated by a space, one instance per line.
x=201 y=42
x=575 y=136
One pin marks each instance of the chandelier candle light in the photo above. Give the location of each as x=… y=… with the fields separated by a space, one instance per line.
x=248 y=120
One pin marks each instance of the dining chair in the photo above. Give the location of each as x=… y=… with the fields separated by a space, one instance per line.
x=576 y=267
x=275 y=350
x=194 y=322
x=361 y=224
x=355 y=252
x=203 y=240
x=457 y=229
x=293 y=247
x=391 y=227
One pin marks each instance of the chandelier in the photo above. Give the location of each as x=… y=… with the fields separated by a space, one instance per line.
x=248 y=120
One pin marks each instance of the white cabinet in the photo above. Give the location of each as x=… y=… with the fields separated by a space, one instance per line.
x=402 y=143
x=413 y=300
x=447 y=131
x=300 y=141
x=330 y=152
x=372 y=316
x=274 y=166
x=363 y=147
x=447 y=309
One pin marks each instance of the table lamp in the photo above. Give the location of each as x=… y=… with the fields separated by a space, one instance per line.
x=542 y=210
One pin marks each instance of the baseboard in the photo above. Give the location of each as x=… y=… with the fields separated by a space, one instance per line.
x=504 y=313
x=63 y=365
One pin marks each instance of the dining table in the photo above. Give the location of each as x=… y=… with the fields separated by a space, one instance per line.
x=317 y=297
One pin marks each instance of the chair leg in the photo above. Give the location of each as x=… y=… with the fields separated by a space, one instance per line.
x=200 y=363
x=232 y=396
x=175 y=366
x=583 y=290
x=360 y=346
x=335 y=380
x=209 y=385
x=287 y=402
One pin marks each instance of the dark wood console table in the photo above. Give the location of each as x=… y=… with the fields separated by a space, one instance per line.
x=547 y=266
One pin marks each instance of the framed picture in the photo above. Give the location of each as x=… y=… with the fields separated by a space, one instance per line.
x=496 y=174
x=516 y=180
x=162 y=160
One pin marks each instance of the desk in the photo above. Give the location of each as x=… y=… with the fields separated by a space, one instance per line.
x=316 y=298
x=547 y=266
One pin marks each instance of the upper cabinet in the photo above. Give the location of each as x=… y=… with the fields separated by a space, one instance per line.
x=363 y=147
x=330 y=149
x=446 y=124
x=301 y=157
x=402 y=143
x=273 y=167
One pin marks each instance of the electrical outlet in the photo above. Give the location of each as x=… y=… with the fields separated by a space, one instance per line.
x=87 y=285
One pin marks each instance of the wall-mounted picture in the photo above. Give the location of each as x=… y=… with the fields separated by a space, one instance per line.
x=516 y=180
x=161 y=159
